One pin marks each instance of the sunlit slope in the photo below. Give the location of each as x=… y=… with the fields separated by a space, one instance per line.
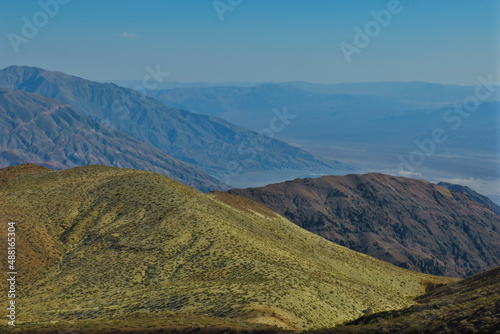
x=468 y=306
x=126 y=242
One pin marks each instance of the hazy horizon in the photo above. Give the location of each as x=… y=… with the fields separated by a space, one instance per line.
x=258 y=41
x=244 y=82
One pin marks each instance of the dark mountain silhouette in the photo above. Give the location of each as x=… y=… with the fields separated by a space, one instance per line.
x=411 y=223
x=41 y=130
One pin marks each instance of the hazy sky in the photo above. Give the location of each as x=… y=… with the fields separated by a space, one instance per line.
x=447 y=41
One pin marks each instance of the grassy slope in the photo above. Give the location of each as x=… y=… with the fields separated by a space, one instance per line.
x=99 y=244
x=469 y=306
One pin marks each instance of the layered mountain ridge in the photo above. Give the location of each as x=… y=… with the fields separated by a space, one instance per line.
x=41 y=130
x=210 y=143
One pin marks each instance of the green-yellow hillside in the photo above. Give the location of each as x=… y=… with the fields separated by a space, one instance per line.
x=100 y=245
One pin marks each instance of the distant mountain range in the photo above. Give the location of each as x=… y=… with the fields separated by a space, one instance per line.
x=371 y=127
x=127 y=249
x=135 y=84
x=331 y=116
x=387 y=117
x=411 y=91
x=41 y=130
x=410 y=223
x=212 y=144
x=414 y=91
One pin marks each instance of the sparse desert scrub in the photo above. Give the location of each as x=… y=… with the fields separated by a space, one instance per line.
x=127 y=242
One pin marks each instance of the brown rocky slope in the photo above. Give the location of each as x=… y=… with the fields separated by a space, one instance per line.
x=411 y=223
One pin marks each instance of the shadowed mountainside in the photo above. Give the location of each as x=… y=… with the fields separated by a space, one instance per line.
x=41 y=130
x=210 y=143
x=112 y=247
x=410 y=223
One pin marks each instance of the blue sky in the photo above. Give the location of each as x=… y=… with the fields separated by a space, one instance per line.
x=447 y=41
